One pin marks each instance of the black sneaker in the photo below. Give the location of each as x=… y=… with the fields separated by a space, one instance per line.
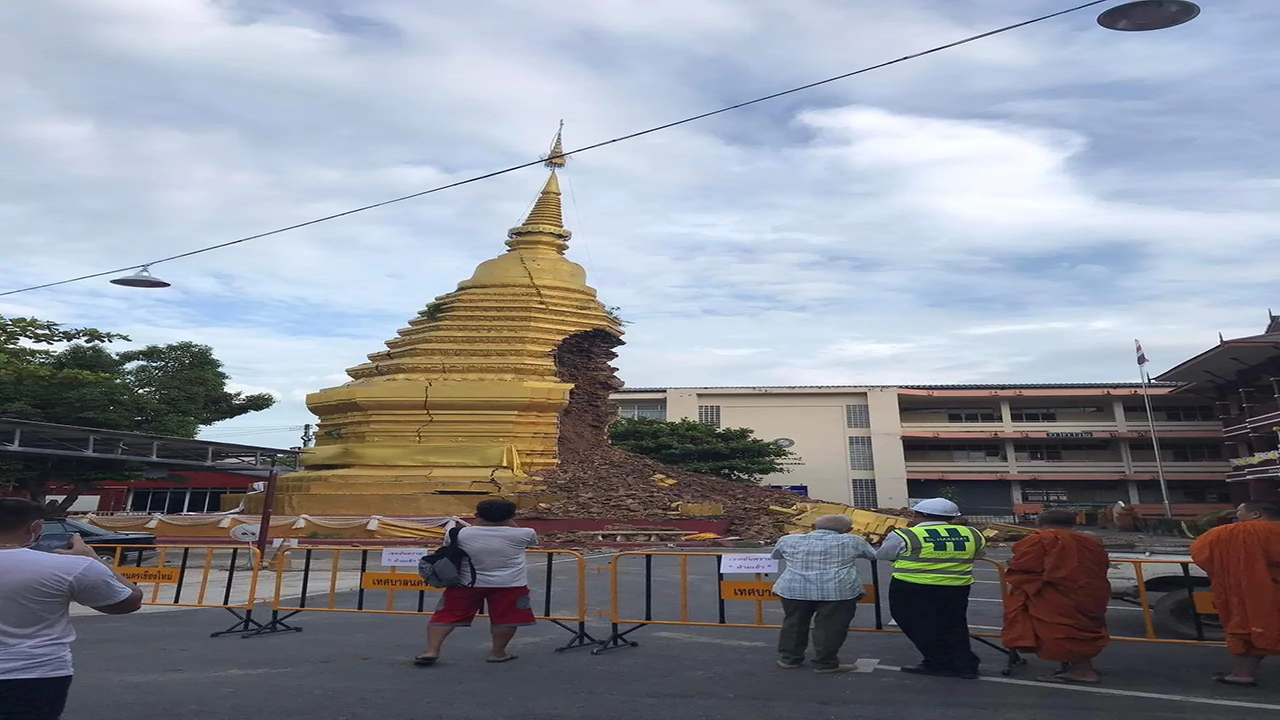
x=923 y=670
x=970 y=675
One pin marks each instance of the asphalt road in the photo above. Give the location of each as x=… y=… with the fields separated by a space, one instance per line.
x=356 y=666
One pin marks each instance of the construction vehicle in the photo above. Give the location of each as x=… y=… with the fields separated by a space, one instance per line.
x=1173 y=608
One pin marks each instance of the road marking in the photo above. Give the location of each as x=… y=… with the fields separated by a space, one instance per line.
x=985 y=627
x=689 y=637
x=1119 y=693
x=866 y=665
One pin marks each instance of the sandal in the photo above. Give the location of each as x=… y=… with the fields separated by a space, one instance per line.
x=424 y=661
x=1225 y=679
x=508 y=658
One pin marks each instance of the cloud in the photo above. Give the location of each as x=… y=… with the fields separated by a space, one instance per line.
x=1017 y=209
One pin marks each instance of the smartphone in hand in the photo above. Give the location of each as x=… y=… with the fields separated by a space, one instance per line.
x=52 y=541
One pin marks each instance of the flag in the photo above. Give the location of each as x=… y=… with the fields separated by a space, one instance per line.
x=1142 y=357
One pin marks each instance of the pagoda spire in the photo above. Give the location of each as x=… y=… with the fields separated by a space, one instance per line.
x=556 y=158
x=544 y=227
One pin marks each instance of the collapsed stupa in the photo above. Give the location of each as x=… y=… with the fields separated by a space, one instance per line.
x=465 y=403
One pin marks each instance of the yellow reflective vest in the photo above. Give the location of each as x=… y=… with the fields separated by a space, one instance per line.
x=938 y=554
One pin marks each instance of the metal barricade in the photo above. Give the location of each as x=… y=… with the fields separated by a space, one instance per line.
x=193 y=576
x=719 y=609
x=1184 y=606
x=349 y=580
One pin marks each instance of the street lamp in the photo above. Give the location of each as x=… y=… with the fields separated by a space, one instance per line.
x=141 y=279
x=1148 y=15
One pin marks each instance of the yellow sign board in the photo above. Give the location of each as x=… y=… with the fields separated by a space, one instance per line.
x=1204 y=603
x=764 y=591
x=149 y=575
x=393 y=581
x=747 y=591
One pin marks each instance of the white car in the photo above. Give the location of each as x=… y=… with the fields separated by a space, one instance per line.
x=1172 y=606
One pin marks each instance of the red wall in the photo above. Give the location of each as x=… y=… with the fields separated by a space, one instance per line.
x=115 y=495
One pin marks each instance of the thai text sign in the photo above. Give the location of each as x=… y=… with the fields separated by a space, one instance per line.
x=747 y=591
x=748 y=563
x=403 y=557
x=393 y=581
x=149 y=575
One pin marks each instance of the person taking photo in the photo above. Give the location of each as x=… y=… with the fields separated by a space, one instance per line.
x=36 y=592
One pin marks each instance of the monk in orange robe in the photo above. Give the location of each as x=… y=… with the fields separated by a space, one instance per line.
x=1243 y=562
x=1057 y=595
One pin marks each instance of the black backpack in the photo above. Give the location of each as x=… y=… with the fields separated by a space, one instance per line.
x=446 y=566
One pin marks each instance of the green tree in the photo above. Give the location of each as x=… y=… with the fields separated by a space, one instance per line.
x=730 y=453
x=53 y=374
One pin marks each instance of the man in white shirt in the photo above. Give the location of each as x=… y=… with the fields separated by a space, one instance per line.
x=819 y=586
x=36 y=592
x=496 y=546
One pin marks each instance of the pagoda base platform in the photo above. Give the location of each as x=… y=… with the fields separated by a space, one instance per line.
x=391 y=491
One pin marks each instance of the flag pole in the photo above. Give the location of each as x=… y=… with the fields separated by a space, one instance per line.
x=1155 y=437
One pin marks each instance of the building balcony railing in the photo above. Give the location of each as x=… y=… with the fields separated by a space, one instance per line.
x=1182 y=466
x=1253 y=415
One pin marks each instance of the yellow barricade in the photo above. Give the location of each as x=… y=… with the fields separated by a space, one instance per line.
x=193 y=576
x=378 y=580
x=724 y=604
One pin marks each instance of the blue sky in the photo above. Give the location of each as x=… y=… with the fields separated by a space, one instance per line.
x=1018 y=209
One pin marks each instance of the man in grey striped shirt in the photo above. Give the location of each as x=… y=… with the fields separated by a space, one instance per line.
x=819 y=585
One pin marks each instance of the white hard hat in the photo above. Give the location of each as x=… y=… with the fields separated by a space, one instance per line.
x=941 y=507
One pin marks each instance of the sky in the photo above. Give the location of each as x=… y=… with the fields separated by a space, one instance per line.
x=1018 y=209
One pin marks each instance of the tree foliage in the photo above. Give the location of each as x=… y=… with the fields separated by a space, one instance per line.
x=730 y=453
x=68 y=376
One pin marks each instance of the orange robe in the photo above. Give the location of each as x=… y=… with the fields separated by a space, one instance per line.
x=1243 y=562
x=1057 y=596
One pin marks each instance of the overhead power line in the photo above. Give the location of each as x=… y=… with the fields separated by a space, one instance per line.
x=531 y=163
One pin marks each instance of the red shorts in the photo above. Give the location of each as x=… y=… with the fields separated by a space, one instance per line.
x=509 y=606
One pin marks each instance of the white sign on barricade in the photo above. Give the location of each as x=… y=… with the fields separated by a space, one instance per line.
x=748 y=563
x=403 y=557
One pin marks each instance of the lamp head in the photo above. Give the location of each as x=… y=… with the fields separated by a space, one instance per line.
x=1148 y=15
x=141 y=279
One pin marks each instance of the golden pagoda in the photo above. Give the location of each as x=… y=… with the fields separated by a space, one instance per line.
x=465 y=402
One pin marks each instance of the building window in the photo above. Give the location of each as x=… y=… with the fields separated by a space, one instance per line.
x=864 y=494
x=977 y=453
x=1034 y=416
x=1192 y=413
x=709 y=415
x=1193 y=452
x=199 y=500
x=972 y=415
x=1176 y=413
x=857 y=416
x=652 y=410
x=1046 y=452
x=860 y=454
x=1044 y=496
x=960 y=452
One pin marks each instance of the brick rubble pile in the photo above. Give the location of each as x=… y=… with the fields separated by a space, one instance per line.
x=597 y=480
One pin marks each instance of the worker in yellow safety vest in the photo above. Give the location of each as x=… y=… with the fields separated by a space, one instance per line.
x=929 y=594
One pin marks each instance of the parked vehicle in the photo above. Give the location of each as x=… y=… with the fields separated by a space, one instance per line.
x=105 y=541
x=1172 y=607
